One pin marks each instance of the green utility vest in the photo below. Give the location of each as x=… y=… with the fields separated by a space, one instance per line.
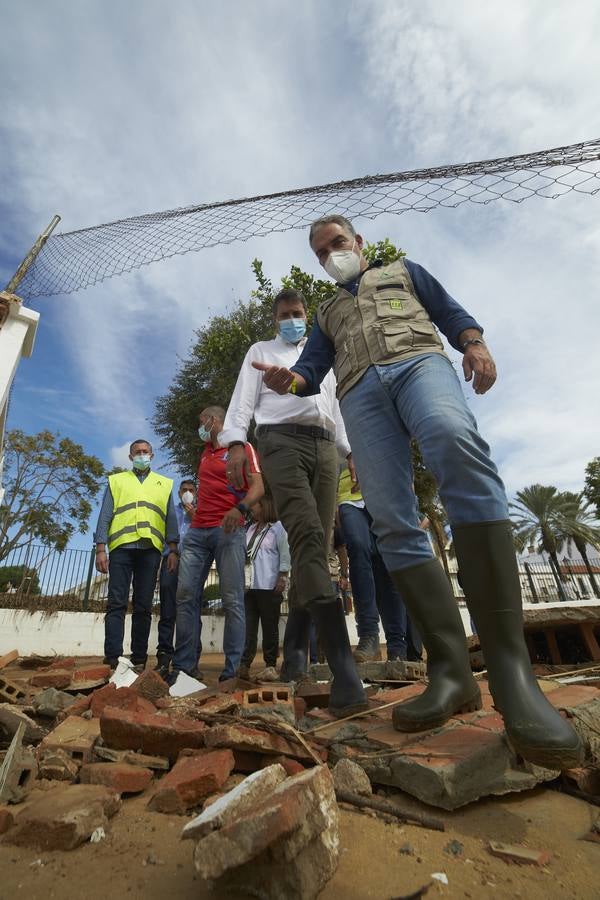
x=140 y=509
x=383 y=324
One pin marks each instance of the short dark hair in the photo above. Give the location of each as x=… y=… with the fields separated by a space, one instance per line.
x=288 y=294
x=187 y=481
x=267 y=504
x=139 y=441
x=333 y=219
x=217 y=412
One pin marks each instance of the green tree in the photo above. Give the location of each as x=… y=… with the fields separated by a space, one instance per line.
x=49 y=485
x=17 y=576
x=579 y=528
x=209 y=373
x=592 y=484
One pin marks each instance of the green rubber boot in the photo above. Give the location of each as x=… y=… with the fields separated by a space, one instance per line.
x=490 y=579
x=452 y=689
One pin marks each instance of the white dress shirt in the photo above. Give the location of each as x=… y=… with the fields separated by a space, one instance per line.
x=251 y=398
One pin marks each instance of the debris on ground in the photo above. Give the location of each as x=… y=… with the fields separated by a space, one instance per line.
x=520 y=855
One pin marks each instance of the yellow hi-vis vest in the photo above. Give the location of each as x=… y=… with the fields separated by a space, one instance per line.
x=140 y=508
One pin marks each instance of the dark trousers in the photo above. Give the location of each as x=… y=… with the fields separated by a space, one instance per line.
x=263 y=607
x=125 y=564
x=302 y=472
x=168 y=611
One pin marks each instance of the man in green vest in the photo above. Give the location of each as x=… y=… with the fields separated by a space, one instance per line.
x=137 y=517
x=379 y=331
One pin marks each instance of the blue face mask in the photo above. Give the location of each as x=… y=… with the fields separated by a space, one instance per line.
x=142 y=461
x=292 y=330
x=204 y=434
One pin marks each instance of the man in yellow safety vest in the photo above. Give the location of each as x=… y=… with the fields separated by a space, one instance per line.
x=137 y=517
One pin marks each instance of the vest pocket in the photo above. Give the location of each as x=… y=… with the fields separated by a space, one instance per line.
x=424 y=336
x=393 y=337
x=343 y=364
x=393 y=304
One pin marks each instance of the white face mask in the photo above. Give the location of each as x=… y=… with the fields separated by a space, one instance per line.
x=187 y=497
x=343 y=265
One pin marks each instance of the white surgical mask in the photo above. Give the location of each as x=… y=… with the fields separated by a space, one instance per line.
x=343 y=265
x=142 y=461
x=187 y=497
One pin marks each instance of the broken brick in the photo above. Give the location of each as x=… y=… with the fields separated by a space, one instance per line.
x=150 y=685
x=56 y=765
x=291 y=766
x=7 y=658
x=9 y=691
x=50 y=702
x=6 y=819
x=190 y=780
x=107 y=754
x=64 y=818
x=315 y=695
x=119 y=698
x=77 y=708
x=91 y=674
x=238 y=802
x=18 y=770
x=67 y=662
x=56 y=678
x=570 y=695
x=255 y=740
x=522 y=855
x=10 y=719
x=121 y=777
x=286 y=846
x=76 y=736
x=154 y=734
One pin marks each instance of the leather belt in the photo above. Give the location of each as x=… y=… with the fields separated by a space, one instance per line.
x=307 y=430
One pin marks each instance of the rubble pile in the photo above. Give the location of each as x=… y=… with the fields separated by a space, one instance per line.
x=249 y=761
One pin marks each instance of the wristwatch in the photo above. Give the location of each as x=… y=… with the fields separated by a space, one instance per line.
x=466 y=343
x=242 y=508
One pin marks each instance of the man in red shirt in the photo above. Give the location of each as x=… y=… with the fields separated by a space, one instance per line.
x=215 y=534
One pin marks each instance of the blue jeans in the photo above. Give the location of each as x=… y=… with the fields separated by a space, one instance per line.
x=168 y=611
x=373 y=591
x=199 y=548
x=418 y=398
x=125 y=564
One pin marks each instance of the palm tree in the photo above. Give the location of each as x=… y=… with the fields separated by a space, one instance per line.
x=539 y=516
x=578 y=528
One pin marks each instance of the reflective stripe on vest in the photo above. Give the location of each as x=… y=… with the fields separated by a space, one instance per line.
x=140 y=509
x=385 y=322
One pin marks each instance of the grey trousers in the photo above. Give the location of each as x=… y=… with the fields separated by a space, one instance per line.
x=302 y=473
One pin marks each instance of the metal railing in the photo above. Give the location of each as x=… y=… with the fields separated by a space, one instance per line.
x=39 y=578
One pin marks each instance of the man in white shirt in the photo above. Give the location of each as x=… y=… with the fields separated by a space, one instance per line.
x=297 y=440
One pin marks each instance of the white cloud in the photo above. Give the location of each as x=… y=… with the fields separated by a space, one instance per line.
x=154 y=107
x=119 y=456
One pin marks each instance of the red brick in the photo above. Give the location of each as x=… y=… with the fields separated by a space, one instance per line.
x=150 y=685
x=6 y=819
x=119 y=698
x=56 y=678
x=154 y=734
x=451 y=746
x=81 y=705
x=315 y=695
x=190 y=780
x=572 y=695
x=587 y=779
x=255 y=740
x=76 y=736
x=121 y=777
x=67 y=662
x=93 y=673
x=521 y=855
x=299 y=708
x=291 y=766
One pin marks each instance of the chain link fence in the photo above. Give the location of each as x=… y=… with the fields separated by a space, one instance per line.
x=74 y=260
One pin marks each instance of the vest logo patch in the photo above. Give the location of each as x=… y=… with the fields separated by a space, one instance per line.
x=395 y=304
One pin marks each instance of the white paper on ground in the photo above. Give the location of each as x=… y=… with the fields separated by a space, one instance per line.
x=440 y=876
x=123 y=676
x=185 y=685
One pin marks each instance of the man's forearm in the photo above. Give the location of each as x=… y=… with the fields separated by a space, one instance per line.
x=469 y=334
x=256 y=490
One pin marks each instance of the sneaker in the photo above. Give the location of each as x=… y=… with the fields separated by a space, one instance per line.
x=395 y=657
x=163 y=664
x=244 y=672
x=110 y=661
x=368 y=649
x=268 y=674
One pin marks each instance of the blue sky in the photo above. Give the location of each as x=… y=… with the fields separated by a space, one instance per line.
x=110 y=110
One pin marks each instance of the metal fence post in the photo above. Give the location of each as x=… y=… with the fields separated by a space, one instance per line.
x=88 y=583
x=536 y=599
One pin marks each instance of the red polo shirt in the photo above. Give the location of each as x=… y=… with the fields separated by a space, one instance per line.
x=215 y=495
